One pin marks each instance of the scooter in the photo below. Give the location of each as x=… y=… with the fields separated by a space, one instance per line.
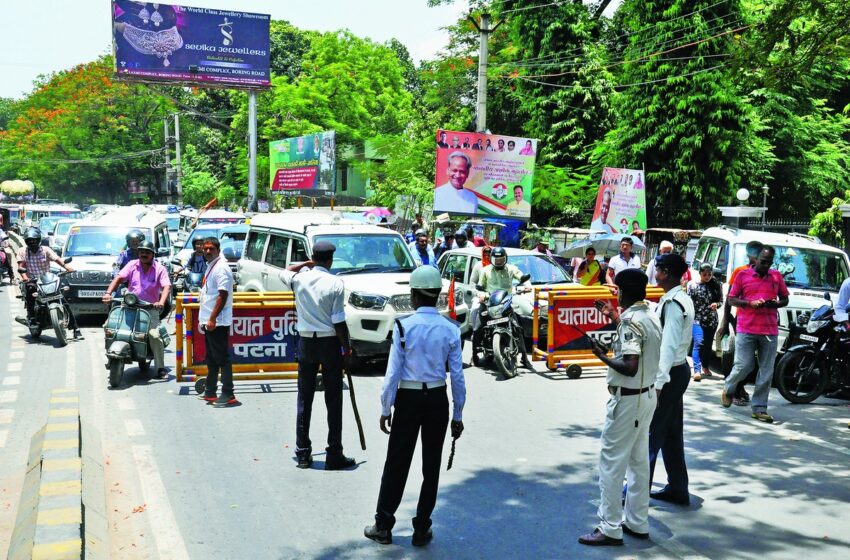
x=502 y=332
x=126 y=336
x=51 y=310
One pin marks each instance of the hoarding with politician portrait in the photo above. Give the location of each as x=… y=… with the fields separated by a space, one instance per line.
x=484 y=174
x=621 y=202
x=305 y=163
x=164 y=42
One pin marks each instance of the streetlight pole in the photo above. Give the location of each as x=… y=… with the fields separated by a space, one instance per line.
x=764 y=190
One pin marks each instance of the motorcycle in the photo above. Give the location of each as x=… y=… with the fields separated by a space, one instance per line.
x=184 y=280
x=6 y=259
x=126 y=336
x=51 y=310
x=502 y=328
x=818 y=359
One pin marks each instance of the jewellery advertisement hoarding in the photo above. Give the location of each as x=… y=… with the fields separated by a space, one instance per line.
x=164 y=42
x=484 y=174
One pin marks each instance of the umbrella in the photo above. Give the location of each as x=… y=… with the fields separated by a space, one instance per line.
x=576 y=248
x=609 y=244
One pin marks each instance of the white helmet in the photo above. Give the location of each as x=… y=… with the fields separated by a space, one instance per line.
x=426 y=278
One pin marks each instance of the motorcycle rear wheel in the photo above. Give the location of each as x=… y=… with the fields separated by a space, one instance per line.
x=802 y=376
x=505 y=354
x=116 y=372
x=59 y=326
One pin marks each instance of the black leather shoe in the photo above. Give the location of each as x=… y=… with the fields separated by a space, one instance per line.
x=380 y=536
x=305 y=461
x=339 y=463
x=667 y=496
x=635 y=534
x=598 y=538
x=421 y=538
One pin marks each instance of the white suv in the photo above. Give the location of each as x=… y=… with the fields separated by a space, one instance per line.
x=374 y=264
x=810 y=269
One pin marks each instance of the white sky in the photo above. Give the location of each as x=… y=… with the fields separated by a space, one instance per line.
x=43 y=36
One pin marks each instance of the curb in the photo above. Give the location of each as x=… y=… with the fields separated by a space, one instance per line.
x=56 y=513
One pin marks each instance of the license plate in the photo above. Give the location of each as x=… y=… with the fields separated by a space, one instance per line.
x=500 y=321
x=91 y=293
x=808 y=338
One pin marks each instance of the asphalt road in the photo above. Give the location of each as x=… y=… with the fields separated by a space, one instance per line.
x=185 y=480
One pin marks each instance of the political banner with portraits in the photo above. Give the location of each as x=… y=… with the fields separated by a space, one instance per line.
x=484 y=174
x=621 y=202
x=164 y=42
x=306 y=163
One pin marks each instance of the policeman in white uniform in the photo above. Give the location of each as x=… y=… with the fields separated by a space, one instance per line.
x=625 y=437
x=424 y=344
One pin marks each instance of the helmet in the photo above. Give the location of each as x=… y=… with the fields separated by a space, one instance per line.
x=146 y=246
x=420 y=233
x=32 y=233
x=426 y=278
x=460 y=236
x=135 y=234
x=499 y=257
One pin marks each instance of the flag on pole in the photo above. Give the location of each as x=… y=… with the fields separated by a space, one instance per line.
x=452 y=312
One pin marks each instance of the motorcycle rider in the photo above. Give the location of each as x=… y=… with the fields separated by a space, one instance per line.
x=460 y=239
x=6 y=255
x=197 y=262
x=148 y=279
x=498 y=275
x=131 y=253
x=36 y=260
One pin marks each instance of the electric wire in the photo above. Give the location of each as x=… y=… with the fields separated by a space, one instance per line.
x=117 y=157
x=618 y=86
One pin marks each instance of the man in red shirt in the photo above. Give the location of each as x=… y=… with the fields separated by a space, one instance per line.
x=757 y=293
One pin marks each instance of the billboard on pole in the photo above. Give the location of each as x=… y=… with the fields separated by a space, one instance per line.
x=305 y=163
x=164 y=42
x=484 y=174
x=621 y=201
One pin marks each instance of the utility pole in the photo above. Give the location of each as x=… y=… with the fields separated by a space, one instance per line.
x=179 y=174
x=166 y=190
x=481 y=106
x=252 y=150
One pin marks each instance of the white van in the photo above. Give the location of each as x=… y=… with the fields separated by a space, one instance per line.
x=95 y=244
x=374 y=263
x=191 y=218
x=810 y=268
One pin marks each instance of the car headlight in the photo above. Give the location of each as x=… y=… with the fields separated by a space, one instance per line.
x=814 y=326
x=373 y=302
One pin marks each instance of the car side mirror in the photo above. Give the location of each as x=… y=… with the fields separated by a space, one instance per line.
x=50 y=233
x=826 y=296
x=162 y=252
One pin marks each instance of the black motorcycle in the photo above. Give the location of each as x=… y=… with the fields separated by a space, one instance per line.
x=502 y=332
x=51 y=309
x=817 y=359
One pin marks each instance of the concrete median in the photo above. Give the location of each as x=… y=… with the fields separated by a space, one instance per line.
x=63 y=503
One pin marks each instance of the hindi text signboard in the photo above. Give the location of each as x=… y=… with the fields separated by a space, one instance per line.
x=305 y=163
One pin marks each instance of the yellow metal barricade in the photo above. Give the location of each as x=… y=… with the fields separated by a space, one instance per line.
x=263 y=330
x=570 y=314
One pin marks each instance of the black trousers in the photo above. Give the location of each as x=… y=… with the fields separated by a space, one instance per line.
x=666 y=432
x=31 y=289
x=414 y=410
x=312 y=353
x=218 y=361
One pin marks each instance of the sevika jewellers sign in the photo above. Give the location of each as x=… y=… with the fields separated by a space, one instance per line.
x=163 y=42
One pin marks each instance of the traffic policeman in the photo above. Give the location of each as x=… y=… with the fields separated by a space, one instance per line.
x=625 y=436
x=424 y=345
x=323 y=340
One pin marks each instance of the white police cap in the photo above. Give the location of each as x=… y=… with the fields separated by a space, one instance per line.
x=426 y=278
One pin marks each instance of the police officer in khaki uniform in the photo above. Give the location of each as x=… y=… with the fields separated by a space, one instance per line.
x=415 y=385
x=625 y=437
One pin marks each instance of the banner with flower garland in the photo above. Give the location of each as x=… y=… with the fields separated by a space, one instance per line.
x=484 y=174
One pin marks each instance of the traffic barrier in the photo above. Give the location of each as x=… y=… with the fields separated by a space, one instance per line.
x=570 y=315
x=63 y=502
x=263 y=339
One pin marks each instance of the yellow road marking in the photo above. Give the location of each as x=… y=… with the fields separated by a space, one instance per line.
x=61 y=488
x=60 y=516
x=60 y=443
x=64 y=412
x=65 y=550
x=61 y=400
x=61 y=464
x=63 y=427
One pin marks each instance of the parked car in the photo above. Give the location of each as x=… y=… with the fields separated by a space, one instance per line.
x=811 y=269
x=374 y=264
x=95 y=244
x=59 y=234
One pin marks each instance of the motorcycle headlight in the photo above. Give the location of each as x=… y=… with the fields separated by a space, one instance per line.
x=130 y=299
x=814 y=326
x=495 y=311
x=372 y=302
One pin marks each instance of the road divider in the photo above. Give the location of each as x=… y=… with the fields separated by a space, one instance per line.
x=63 y=502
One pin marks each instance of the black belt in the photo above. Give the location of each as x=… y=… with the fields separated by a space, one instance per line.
x=625 y=391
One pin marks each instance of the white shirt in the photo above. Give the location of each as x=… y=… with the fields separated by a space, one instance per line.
x=319 y=299
x=217 y=277
x=430 y=342
x=638 y=334
x=449 y=199
x=843 y=299
x=677 y=331
x=618 y=263
x=650 y=273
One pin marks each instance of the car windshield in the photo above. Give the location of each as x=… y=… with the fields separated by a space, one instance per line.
x=173 y=223
x=542 y=269
x=90 y=241
x=201 y=233
x=62 y=228
x=368 y=253
x=804 y=268
x=46 y=224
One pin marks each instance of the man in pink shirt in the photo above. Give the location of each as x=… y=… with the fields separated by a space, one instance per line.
x=757 y=293
x=147 y=279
